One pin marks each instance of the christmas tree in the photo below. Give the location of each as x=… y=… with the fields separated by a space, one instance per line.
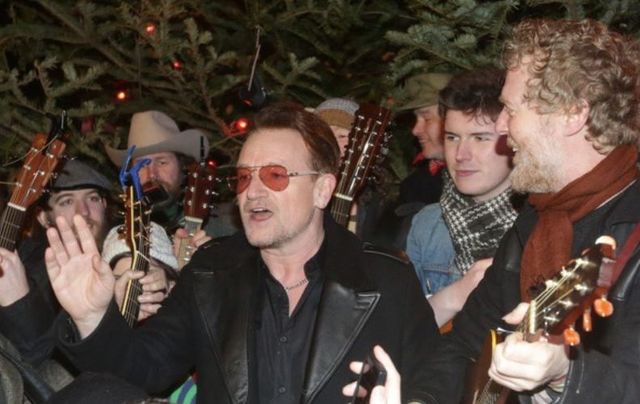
x=101 y=61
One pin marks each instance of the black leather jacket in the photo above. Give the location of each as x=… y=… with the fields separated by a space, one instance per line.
x=606 y=367
x=368 y=298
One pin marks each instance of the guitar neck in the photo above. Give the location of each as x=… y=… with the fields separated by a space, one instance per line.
x=340 y=208
x=131 y=305
x=192 y=225
x=12 y=219
x=138 y=236
x=367 y=145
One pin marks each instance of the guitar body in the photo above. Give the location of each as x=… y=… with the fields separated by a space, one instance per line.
x=478 y=386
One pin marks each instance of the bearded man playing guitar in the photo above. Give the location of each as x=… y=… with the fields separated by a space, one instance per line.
x=571 y=116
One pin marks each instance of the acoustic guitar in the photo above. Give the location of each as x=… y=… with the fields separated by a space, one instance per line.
x=38 y=166
x=139 y=201
x=578 y=287
x=368 y=140
x=198 y=200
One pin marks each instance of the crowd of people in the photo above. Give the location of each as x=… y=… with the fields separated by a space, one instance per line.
x=522 y=168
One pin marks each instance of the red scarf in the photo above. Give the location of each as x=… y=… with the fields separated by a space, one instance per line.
x=549 y=246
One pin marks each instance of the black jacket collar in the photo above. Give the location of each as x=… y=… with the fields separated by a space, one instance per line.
x=226 y=290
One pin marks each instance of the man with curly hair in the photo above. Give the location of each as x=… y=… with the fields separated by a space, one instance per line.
x=571 y=117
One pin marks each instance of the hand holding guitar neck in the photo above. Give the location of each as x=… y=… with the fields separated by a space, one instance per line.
x=536 y=354
x=523 y=365
x=139 y=199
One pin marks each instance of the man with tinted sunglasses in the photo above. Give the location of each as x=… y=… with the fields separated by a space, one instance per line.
x=274 y=314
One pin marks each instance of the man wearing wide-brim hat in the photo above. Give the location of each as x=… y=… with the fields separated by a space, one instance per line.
x=423 y=185
x=158 y=138
x=155 y=132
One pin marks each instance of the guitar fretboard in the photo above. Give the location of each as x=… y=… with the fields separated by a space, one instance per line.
x=12 y=219
x=192 y=225
x=367 y=144
x=137 y=230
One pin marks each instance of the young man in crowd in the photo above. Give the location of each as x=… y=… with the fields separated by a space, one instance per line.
x=451 y=243
x=571 y=116
x=276 y=312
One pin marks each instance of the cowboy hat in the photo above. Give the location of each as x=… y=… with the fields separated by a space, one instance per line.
x=421 y=91
x=155 y=132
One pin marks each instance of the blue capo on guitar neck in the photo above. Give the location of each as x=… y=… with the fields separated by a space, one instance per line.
x=131 y=176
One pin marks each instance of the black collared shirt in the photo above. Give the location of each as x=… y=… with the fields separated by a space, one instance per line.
x=283 y=341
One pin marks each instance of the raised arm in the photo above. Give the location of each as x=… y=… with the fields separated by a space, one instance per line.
x=448 y=301
x=82 y=282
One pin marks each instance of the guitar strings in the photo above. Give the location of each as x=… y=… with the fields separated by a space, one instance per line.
x=10 y=229
x=544 y=300
x=21 y=158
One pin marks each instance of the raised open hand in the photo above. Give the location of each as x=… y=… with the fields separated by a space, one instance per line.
x=82 y=282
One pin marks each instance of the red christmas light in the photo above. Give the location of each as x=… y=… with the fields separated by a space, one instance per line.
x=122 y=95
x=239 y=127
x=150 y=28
x=241 y=124
x=176 y=64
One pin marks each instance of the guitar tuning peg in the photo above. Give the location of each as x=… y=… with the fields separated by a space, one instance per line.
x=586 y=320
x=571 y=337
x=603 y=307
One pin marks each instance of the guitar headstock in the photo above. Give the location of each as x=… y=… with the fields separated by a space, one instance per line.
x=368 y=141
x=198 y=198
x=367 y=146
x=38 y=166
x=583 y=282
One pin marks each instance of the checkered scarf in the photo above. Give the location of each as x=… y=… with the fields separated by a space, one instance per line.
x=475 y=228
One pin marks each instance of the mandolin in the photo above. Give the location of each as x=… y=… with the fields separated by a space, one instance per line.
x=578 y=287
x=198 y=197
x=367 y=147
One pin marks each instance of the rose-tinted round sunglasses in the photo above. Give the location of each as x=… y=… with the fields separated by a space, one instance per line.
x=275 y=177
